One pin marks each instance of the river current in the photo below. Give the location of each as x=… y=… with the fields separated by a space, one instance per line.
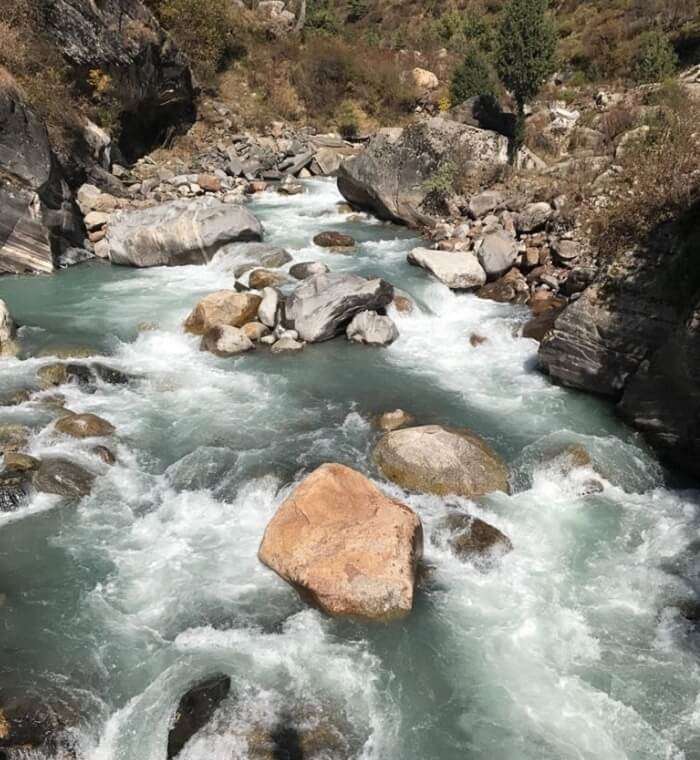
x=572 y=647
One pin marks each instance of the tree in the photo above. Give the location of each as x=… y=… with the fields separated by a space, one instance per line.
x=656 y=59
x=472 y=77
x=525 y=53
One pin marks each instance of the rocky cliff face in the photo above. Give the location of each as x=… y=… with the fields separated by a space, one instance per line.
x=634 y=336
x=37 y=215
x=150 y=76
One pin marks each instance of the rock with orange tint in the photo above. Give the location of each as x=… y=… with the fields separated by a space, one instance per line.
x=345 y=546
x=225 y=307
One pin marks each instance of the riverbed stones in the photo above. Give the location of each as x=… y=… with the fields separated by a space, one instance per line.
x=264 y=278
x=372 y=329
x=224 y=341
x=52 y=375
x=497 y=253
x=13 y=437
x=178 y=232
x=63 y=477
x=225 y=307
x=345 y=546
x=333 y=239
x=195 y=709
x=459 y=270
x=307 y=269
x=32 y=726
x=440 y=460
x=268 y=309
x=18 y=462
x=84 y=426
x=255 y=330
x=322 y=306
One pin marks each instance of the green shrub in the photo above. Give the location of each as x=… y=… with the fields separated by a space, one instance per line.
x=462 y=30
x=208 y=31
x=357 y=9
x=472 y=77
x=655 y=59
x=322 y=18
x=348 y=121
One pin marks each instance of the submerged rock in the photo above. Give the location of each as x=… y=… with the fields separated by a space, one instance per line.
x=459 y=270
x=84 y=426
x=372 y=329
x=32 y=726
x=442 y=461
x=285 y=345
x=179 y=232
x=225 y=307
x=62 y=477
x=394 y=420
x=471 y=537
x=13 y=437
x=15 y=487
x=322 y=306
x=195 y=709
x=345 y=546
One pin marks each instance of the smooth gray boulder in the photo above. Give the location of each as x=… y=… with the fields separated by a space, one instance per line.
x=391 y=177
x=439 y=460
x=322 y=306
x=179 y=232
x=372 y=329
x=224 y=340
x=497 y=252
x=62 y=477
x=269 y=307
x=459 y=270
x=533 y=217
x=265 y=254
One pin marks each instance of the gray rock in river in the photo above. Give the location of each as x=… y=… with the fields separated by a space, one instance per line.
x=321 y=307
x=459 y=270
x=497 y=252
x=372 y=329
x=307 y=269
x=179 y=232
x=390 y=178
x=224 y=340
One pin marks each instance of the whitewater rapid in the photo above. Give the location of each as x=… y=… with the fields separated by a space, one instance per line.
x=572 y=647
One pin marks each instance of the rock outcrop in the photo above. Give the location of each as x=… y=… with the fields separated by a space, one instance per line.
x=322 y=306
x=179 y=232
x=345 y=546
x=439 y=460
x=122 y=40
x=38 y=220
x=634 y=336
x=391 y=177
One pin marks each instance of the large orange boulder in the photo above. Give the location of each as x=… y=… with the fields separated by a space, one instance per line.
x=345 y=546
x=225 y=307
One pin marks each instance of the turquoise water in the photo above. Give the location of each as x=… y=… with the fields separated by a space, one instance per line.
x=571 y=648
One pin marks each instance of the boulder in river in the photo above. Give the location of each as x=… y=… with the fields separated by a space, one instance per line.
x=345 y=546
x=394 y=420
x=332 y=239
x=84 y=426
x=179 y=232
x=34 y=727
x=60 y=476
x=13 y=437
x=442 y=461
x=391 y=177
x=322 y=306
x=225 y=307
x=195 y=710
x=8 y=346
x=459 y=270
x=224 y=340
x=264 y=278
x=307 y=269
x=255 y=330
x=471 y=537
x=372 y=329
x=268 y=310
x=286 y=345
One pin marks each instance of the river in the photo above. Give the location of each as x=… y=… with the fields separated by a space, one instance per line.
x=572 y=647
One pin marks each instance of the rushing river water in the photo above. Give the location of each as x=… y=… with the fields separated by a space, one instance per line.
x=572 y=647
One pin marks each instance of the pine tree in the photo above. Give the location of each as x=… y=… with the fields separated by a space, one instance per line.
x=525 y=52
